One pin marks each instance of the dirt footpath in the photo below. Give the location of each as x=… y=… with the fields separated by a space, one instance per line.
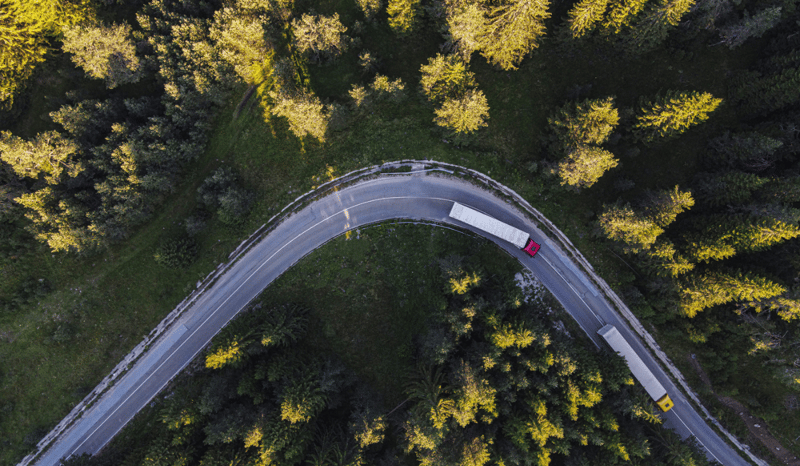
x=757 y=427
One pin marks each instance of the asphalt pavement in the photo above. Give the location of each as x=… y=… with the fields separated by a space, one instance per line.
x=416 y=196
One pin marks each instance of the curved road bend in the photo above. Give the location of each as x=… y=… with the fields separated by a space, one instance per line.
x=387 y=197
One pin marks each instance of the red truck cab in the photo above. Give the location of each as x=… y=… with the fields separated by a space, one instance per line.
x=532 y=248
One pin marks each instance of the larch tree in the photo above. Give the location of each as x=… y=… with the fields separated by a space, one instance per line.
x=635 y=231
x=513 y=31
x=321 y=37
x=49 y=154
x=25 y=27
x=306 y=113
x=665 y=205
x=466 y=27
x=370 y=8
x=716 y=288
x=403 y=16
x=447 y=83
x=787 y=305
x=60 y=222
x=726 y=235
x=650 y=28
x=588 y=122
x=463 y=115
x=663 y=260
x=241 y=41
x=104 y=52
x=585 y=16
x=621 y=14
x=673 y=114
x=584 y=165
x=579 y=128
x=446 y=77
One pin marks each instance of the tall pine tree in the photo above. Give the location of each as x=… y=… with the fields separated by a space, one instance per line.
x=513 y=31
x=671 y=115
x=716 y=288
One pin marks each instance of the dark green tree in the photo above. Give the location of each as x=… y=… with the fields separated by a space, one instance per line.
x=735 y=35
x=728 y=188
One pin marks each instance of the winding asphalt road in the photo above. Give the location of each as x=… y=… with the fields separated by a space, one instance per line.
x=409 y=196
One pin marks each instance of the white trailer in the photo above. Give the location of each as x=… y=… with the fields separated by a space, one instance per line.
x=645 y=377
x=495 y=227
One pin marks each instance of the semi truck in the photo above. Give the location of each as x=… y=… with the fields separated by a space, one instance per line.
x=495 y=227
x=645 y=377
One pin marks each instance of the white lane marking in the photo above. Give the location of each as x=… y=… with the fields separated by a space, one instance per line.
x=573 y=289
x=697 y=438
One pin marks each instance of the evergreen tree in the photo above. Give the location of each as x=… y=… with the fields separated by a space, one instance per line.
x=463 y=115
x=716 y=288
x=665 y=205
x=240 y=40
x=782 y=190
x=370 y=8
x=651 y=28
x=306 y=113
x=728 y=188
x=403 y=16
x=25 y=27
x=466 y=27
x=635 y=231
x=104 y=52
x=321 y=37
x=584 y=165
x=725 y=235
x=735 y=35
x=711 y=11
x=513 y=31
x=584 y=16
x=588 y=122
x=673 y=114
x=621 y=14
x=50 y=155
x=664 y=260
x=446 y=77
x=776 y=88
x=751 y=151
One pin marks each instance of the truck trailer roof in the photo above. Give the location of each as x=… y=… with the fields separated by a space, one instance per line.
x=645 y=377
x=490 y=225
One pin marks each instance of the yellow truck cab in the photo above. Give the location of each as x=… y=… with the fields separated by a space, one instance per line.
x=665 y=403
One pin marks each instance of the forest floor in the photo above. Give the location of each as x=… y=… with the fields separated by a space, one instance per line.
x=756 y=426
